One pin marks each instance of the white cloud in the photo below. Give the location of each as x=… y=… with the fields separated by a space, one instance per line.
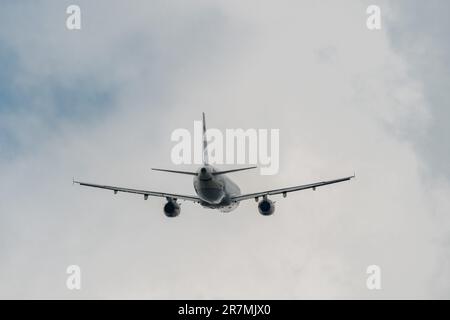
x=337 y=91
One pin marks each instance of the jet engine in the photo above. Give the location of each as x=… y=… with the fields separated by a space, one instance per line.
x=171 y=209
x=266 y=207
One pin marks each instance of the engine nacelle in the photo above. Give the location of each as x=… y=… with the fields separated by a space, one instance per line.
x=266 y=207
x=171 y=209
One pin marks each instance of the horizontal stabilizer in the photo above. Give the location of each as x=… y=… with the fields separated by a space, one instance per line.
x=233 y=170
x=176 y=171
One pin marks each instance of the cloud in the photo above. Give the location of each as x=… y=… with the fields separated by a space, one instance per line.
x=418 y=33
x=104 y=101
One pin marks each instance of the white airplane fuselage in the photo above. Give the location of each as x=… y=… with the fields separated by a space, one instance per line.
x=215 y=191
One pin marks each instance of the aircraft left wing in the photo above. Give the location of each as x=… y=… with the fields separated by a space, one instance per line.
x=145 y=193
x=284 y=191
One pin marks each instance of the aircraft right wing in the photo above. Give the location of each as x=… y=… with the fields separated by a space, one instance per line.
x=284 y=191
x=145 y=193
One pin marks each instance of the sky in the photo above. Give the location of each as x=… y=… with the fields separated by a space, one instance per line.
x=100 y=104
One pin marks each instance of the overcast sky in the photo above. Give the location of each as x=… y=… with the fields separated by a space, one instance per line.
x=100 y=105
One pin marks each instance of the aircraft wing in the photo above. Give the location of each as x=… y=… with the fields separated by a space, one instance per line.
x=145 y=193
x=284 y=191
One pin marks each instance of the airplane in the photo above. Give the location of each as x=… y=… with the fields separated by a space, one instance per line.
x=214 y=189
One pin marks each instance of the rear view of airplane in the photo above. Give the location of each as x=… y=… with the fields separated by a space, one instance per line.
x=214 y=189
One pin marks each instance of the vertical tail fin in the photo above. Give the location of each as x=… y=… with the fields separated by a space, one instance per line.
x=205 y=142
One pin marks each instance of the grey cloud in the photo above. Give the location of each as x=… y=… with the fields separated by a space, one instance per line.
x=247 y=65
x=418 y=32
